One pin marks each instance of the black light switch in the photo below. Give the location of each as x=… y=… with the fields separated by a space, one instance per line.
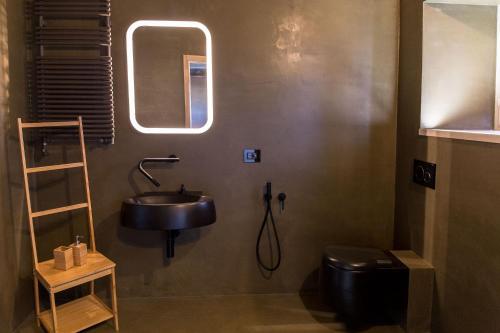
x=424 y=173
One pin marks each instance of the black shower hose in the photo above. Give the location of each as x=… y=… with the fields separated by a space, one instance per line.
x=268 y=215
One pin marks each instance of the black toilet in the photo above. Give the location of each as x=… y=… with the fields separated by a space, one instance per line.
x=364 y=285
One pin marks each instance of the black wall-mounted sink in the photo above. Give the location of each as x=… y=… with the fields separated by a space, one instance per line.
x=168 y=211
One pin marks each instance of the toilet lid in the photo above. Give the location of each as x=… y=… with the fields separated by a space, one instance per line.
x=357 y=258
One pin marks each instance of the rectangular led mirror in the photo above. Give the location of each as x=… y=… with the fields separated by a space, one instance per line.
x=170 y=77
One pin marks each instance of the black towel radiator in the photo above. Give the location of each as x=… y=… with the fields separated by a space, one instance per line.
x=71 y=67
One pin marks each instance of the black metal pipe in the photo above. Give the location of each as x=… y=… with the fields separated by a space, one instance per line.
x=170 y=242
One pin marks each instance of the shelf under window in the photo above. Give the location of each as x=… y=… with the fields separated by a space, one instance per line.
x=491 y=136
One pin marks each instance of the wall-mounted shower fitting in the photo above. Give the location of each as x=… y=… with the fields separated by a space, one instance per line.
x=282 y=198
x=268 y=196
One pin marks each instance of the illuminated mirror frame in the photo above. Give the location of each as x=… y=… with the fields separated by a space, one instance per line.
x=131 y=78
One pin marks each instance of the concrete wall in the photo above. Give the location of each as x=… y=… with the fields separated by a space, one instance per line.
x=312 y=84
x=15 y=257
x=456 y=226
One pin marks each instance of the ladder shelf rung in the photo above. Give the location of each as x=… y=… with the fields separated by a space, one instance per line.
x=59 y=210
x=50 y=124
x=55 y=167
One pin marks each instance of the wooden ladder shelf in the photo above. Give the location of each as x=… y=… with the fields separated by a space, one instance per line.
x=87 y=311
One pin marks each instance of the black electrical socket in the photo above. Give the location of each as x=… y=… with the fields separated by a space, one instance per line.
x=424 y=173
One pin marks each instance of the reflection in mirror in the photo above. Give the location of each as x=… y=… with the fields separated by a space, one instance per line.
x=170 y=77
x=195 y=90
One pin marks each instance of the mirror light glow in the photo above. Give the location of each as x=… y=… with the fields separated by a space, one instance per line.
x=131 y=78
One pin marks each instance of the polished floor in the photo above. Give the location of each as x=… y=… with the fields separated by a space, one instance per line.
x=224 y=314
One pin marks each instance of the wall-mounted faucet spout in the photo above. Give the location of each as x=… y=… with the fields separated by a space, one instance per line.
x=170 y=159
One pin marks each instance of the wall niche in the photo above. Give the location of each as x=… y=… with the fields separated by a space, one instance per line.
x=460 y=70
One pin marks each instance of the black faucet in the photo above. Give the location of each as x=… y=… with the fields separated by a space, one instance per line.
x=170 y=159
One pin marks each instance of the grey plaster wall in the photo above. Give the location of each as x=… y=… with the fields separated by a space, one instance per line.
x=312 y=84
x=15 y=257
x=456 y=226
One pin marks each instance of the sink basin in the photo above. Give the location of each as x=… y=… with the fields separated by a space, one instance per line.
x=168 y=211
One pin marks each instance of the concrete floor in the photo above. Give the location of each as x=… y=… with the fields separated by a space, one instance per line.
x=224 y=314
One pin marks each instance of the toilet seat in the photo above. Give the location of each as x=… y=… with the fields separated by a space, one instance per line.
x=357 y=258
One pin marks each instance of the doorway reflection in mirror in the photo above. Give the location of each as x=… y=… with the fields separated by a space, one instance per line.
x=195 y=91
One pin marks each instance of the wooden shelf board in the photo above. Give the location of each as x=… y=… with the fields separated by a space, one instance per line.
x=54 y=278
x=77 y=315
x=491 y=136
x=466 y=2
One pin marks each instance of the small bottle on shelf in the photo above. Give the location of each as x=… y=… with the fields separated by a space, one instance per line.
x=79 y=252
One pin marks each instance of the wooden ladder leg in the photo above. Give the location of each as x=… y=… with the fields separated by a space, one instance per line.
x=114 y=301
x=53 y=309
x=37 y=301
